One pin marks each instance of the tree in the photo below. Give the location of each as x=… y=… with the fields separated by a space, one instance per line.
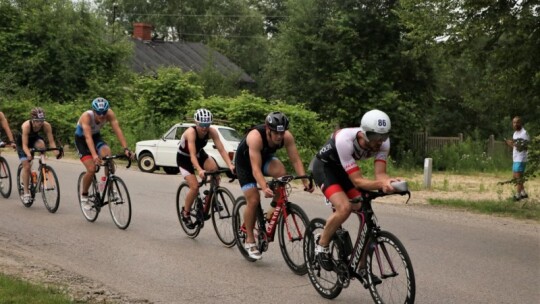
x=482 y=55
x=342 y=58
x=55 y=48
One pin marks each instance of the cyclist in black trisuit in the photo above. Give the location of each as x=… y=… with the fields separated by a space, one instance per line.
x=191 y=156
x=255 y=159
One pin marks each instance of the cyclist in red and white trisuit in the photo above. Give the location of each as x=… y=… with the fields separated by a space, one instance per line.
x=335 y=171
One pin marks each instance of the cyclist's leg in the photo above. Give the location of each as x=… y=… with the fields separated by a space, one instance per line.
x=274 y=168
x=188 y=172
x=86 y=158
x=103 y=150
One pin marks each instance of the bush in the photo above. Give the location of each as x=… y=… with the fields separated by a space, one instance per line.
x=468 y=156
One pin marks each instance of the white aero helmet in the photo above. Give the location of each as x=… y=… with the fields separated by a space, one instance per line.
x=203 y=116
x=376 y=125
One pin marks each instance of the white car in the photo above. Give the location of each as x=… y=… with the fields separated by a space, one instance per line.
x=161 y=153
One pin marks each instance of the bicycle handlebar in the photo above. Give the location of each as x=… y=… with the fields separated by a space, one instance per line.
x=60 y=149
x=285 y=179
x=119 y=155
x=400 y=187
x=214 y=173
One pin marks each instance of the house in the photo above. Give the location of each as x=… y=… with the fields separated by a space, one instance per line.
x=189 y=56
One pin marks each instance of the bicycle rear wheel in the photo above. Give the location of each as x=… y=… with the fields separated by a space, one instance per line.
x=222 y=208
x=388 y=260
x=5 y=178
x=50 y=189
x=291 y=233
x=181 y=194
x=91 y=214
x=325 y=282
x=20 y=186
x=119 y=203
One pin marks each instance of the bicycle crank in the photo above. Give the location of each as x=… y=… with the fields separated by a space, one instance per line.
x=343 y=274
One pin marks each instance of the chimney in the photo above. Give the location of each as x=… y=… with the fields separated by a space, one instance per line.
x=142 y=31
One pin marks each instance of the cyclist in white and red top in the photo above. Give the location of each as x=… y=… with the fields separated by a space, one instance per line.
x=335 y=171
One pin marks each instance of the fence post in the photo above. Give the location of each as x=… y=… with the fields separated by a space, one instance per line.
x=428 y=162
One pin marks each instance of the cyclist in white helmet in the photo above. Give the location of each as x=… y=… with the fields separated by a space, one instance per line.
x=91 y=146
x=336 y=172
x=191 y=156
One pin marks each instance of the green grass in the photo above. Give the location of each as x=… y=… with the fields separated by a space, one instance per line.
x=525 y=209
x=16 y=291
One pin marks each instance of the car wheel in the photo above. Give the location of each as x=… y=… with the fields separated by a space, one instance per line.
x=171 y=170
x=146 y=162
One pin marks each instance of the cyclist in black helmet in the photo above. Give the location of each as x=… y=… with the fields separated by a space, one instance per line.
x=255 y=159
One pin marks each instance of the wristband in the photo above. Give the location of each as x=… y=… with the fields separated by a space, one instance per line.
x=126 y=149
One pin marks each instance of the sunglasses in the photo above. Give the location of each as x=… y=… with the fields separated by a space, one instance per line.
x=372 y=136
x=38 y=120
x=204 y=124
x=100 y=113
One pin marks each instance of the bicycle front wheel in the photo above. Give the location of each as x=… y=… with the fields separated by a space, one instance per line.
x=89 y=211
x=326 y=282
x=119 y=203
x=240 y=229
x=291 y=232
x=20 y=186
x=388 y=260
x=181 y=194
x=50 y=189
x=5 y=178
x=222 y=208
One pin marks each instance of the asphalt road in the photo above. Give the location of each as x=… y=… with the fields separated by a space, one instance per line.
x=457 y=257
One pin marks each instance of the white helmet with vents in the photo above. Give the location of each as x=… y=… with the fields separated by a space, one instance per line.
x=203 y=116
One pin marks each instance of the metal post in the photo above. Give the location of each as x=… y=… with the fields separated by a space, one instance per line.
x=428 y=164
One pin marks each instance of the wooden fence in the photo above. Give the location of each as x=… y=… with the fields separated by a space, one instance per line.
x=423 y=144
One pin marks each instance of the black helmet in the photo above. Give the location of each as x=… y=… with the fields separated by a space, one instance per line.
x=277 y=121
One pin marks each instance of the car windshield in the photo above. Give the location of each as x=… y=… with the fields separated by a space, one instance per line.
x=230 y=134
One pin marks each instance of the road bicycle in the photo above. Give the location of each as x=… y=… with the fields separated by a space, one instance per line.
x=289 y=219
x=43 y=180
x=5 y=175
x=378 y=259
x=113 y=193
x=216 y=202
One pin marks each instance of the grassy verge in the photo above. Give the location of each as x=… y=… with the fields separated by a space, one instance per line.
x=525 y=209
x=15 y=291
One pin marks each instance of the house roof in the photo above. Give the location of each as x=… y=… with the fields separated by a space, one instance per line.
x=188 y=56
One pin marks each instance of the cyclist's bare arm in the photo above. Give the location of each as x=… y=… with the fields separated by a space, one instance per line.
x=115 y=125
x=25 y=131
x=295 y=159
x=190 y=135
x=5 y=126
x=47 y=128
x=219 y=145
x=255 y=145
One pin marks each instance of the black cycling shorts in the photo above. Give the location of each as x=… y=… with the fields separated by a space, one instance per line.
x=332 y=178
x=184 y=161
